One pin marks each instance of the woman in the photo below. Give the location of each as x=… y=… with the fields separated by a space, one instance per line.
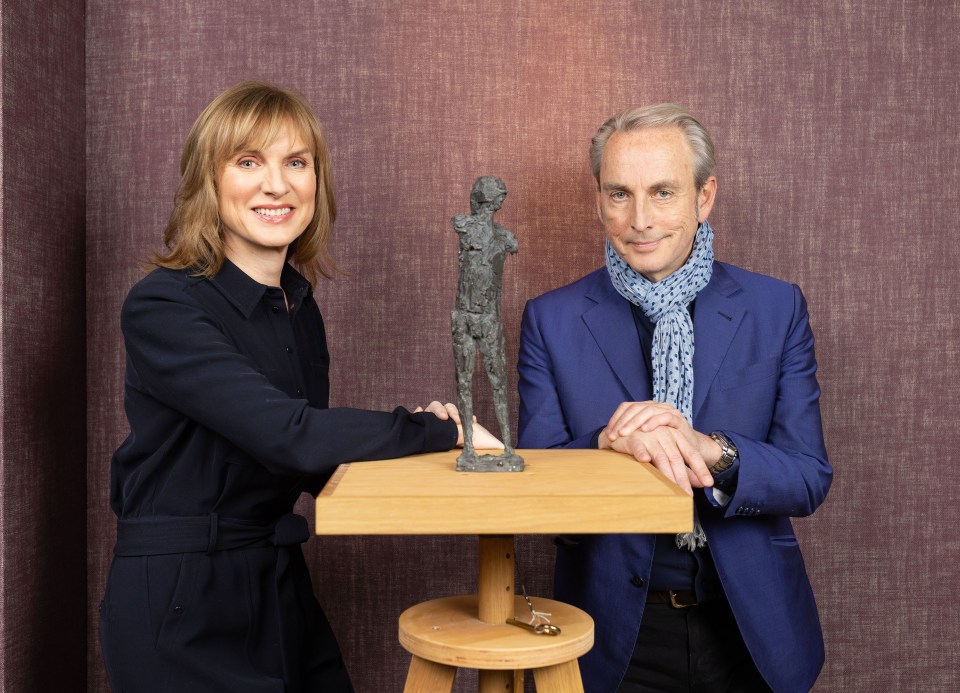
x=226 y=392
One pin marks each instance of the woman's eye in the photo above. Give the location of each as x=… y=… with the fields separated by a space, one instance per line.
x=298 y=163
x=246 y=163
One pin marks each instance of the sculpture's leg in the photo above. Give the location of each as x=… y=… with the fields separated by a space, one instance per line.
x=493 y=348
x=465 y=356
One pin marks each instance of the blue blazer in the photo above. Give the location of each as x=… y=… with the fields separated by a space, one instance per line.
x=755 y=380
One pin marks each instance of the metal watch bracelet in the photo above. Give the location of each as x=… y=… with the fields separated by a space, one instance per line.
x=728 y=455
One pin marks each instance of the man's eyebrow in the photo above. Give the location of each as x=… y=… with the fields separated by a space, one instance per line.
x=613 y=187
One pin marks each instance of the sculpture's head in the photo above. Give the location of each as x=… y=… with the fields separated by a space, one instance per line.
x=489 y=192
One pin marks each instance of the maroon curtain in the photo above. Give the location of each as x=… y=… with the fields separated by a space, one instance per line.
x=43 y=472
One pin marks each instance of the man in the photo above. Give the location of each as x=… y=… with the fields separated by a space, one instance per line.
x=708 y=372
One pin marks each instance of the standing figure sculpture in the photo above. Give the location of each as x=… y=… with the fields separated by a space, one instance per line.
x=484 y=245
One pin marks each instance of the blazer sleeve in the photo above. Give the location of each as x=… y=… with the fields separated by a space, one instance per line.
x=179 y=355
x=787 y=471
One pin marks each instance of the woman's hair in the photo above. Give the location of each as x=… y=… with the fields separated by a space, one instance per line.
x=659 y=116
x=246 y=116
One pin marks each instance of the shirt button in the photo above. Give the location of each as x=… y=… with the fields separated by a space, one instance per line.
x=289 y=350
x=299 y=392
x=636 y=581
x=275 y=309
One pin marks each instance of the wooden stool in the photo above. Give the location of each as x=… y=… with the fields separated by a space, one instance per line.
x=471 y=631
x=586 y=491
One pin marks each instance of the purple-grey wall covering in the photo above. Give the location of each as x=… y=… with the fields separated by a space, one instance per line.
x=837 y=141
x=43 y=564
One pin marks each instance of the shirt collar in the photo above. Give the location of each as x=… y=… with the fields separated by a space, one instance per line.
x=245 y=293
x=295 y=285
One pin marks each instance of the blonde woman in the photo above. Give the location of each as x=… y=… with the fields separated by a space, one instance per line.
x=226 y=393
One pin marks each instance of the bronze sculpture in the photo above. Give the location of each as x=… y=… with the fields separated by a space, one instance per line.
x=484 y=245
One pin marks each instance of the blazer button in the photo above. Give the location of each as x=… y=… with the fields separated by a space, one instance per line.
x=636 y=581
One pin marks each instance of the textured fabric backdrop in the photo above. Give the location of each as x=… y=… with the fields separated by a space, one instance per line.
x=42 y=349
x=837 y=142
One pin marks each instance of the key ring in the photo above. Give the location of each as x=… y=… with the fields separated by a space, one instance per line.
x=546 y=629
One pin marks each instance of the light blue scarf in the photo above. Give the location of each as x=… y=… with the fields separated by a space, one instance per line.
x=666 y=303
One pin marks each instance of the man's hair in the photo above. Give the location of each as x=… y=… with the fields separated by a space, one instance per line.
x=659 y=116
x=246 y=116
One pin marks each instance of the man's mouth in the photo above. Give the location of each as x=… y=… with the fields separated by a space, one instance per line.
x=644 y=244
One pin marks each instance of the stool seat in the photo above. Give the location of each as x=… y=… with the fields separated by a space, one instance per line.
x=448 y=631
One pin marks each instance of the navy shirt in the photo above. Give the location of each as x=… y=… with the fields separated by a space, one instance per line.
x=675 y=568
x=227 y=395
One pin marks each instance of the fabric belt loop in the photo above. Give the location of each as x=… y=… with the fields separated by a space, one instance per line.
x=214 y=528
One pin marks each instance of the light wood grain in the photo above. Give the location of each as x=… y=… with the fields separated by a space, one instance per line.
x=495 y=585
x=491 y=681
x=559 y=677
x=448 y=631
x=561 y=491
x=425 y=676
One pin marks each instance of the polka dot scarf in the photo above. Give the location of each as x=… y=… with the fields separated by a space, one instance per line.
x=666 y=304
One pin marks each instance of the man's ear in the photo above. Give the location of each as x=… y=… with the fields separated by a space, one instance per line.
x=705 y=198
x=599 y=208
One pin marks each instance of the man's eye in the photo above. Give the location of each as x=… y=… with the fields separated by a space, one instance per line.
x=619 y=195
x=663 y=194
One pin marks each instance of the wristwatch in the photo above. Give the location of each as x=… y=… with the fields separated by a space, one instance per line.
x=728 y=456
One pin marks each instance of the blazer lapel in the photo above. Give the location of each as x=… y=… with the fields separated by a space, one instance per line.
x=611 y=324
x=716 y=320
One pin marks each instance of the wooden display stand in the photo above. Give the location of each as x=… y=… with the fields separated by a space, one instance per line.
x=559 y=492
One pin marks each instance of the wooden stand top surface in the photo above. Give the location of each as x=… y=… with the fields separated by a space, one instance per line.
x=560 y=491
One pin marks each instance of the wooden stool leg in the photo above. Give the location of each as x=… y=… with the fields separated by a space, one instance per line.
x=559 y=678
x=496 y=681
x=425 y=676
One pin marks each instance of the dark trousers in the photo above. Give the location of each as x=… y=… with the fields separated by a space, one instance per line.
x=693 y=650
x=226 y=622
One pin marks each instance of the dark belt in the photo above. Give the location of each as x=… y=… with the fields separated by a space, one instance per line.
x=154 y=536
x=678 y=599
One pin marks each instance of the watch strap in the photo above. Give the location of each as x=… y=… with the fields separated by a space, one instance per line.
x=728 y=455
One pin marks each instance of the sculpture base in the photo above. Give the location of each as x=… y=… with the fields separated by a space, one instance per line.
x=469 y=461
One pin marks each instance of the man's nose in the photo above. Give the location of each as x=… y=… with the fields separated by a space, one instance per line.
x=641 y=213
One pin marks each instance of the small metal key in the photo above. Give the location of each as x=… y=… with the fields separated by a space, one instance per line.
x=539 y=629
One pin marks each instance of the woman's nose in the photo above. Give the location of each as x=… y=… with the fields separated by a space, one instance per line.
x=275 y=180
